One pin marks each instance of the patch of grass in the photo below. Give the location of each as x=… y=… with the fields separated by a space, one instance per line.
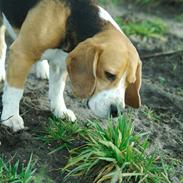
x=162 y=80
x=150 y=114
x=63 y=133
x=16 y=173
x=156 y=2
x=179 y=18
x=147 y=2
x=174 y=67
x=122 y=153
x=146 y=28
x=104 y=2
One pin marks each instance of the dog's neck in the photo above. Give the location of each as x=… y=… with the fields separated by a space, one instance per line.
x=106 y=34
x=84 y=22
x=88 y=23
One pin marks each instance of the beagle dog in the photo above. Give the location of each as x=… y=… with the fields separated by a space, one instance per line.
x=79 y=39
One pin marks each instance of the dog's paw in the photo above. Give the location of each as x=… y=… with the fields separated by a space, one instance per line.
x=2 y=74
x=42 y=69
x=65 y=114
x=15 y=122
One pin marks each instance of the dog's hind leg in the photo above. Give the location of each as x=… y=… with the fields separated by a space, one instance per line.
x=3 y=48
x=57 y=79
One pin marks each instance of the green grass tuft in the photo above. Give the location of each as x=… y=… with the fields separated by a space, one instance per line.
x=104 y=2
x=146 y=28
x=16 y=173
x=122 y=154
x=63 y=133
x=150 y=114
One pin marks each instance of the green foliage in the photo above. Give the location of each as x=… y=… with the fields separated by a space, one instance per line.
x=104 y=2
x=150 y=114
x=61 y=132
x=141 y=2
x=146 y=28
x=122 y=154
x=144 y=1
x=16 y=173
x=158 y=1
x=179 y=18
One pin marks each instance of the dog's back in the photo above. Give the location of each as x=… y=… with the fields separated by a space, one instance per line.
x=16 y=11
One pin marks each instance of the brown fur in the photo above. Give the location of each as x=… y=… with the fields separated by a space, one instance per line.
x=33 y=40
x=116 y=55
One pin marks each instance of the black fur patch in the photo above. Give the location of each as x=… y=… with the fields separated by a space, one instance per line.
x=84 y=22
x=16 y=10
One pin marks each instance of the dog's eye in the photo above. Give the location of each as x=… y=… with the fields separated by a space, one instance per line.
x=110 y=76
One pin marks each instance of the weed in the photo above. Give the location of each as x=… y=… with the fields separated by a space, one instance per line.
x=155 y=2
x=179 y=18
x=174 y=67
x=162 y=80
x=146 y=2
x=179 y=91
x=41 y=176
x=61 y=132
x=104 y=2
x=147 y=28
x=123 y=154
x=16 y=173
x=150 y=114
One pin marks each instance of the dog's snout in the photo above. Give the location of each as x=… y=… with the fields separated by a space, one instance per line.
x=113 y=111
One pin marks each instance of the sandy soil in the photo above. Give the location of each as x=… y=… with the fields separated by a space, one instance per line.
x=162 y=93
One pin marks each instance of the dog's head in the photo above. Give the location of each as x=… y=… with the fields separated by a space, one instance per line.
x=108 y=73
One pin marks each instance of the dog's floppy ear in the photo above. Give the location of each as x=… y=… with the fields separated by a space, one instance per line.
x=81 y=66
x=132 y=94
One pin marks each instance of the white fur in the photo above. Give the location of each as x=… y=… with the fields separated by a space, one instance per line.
x=106 y=16
x=41 y=69
x=58 y=75
x=10 y=114
x=100 y=104
x=3 y=55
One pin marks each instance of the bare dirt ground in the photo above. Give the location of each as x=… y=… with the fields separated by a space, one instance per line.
x=161 y=113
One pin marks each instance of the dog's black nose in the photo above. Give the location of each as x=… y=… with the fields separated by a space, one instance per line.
x=113 y=111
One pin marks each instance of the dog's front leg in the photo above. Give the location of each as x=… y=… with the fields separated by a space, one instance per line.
x=57 y=79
